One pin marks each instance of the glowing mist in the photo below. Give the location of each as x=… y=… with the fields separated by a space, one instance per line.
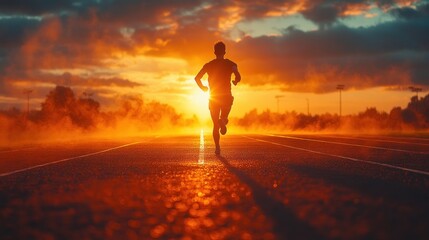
x=201 y=155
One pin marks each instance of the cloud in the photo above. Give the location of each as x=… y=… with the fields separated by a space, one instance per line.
x=30 y=7
x=409 y=13
x=68 y=79
x=74 y=80
x=327 y=12
x=51 y=35
x=322 y=14
x=15 y=29
x=385 y=54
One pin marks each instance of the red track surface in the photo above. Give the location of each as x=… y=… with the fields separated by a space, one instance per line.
x=261 y=187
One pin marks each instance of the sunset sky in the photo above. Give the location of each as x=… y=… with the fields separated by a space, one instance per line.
x=297 y=49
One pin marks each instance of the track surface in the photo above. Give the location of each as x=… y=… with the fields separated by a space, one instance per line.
x=261 y=187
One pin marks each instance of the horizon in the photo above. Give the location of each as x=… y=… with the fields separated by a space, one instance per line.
x=283 y=107
x=67 y=116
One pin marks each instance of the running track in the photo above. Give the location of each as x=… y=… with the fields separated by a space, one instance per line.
x=261 y=187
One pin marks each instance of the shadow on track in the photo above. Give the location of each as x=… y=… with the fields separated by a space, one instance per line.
x=401 y=213
x=286 y=224
x=397 y=190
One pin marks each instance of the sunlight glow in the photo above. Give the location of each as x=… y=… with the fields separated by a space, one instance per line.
x=198 y=102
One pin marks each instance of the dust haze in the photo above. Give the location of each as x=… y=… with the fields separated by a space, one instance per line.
x=412 y=119
x=64 y=117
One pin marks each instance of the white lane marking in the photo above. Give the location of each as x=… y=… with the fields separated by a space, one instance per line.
x=346 y=144
x=409 y=138
x=201 y=155
x=375 y=140
x=66 y=159
x=17 y=150
x=344 y=157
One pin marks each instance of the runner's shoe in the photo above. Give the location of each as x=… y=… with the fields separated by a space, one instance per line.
x=217 y=151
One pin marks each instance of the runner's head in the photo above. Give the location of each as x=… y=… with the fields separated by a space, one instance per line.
x=219 y=49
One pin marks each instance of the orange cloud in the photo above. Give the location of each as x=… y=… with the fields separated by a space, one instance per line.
x=356 y=9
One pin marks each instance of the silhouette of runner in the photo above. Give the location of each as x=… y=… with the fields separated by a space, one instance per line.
x=221 y=99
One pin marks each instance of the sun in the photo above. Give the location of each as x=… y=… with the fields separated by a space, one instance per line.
x=199 y=102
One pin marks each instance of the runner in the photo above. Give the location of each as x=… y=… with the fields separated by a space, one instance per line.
x=219 y=71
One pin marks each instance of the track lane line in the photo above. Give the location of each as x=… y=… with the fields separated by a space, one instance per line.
x=346 y=144
x=67 y=159
x=374 y=140
x=201 y=153
x=344 y=157
x=17 y=149
x=408 y=138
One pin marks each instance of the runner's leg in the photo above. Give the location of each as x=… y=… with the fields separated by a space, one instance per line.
x=224 y=113
x=225 y=109
x=214 y=113
x=224 y=119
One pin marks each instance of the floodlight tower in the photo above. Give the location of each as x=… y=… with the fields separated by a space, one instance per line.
x=28 y=92
x=278 y=101
x=416 y=90
x=340 y=87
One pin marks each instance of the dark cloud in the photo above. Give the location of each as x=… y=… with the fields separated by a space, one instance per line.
x=410 y=13
x=405 y=13
x=387 y=4
x=326 y=12
x=86 y=32
x=31 y=7
x=322 y=15
x=136 y=12
x=15 y=29
x=385 y=54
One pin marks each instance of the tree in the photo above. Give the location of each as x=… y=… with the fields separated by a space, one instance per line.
x=58 y=103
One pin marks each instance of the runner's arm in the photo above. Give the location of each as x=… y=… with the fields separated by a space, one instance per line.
x=236 y=74
x=198 y=79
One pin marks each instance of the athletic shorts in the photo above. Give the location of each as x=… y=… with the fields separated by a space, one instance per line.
x=221 y=102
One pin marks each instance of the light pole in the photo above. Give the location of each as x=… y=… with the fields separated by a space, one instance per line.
x=416 y=90
x=340 y=87
x=278 y=102
x=28 y=92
